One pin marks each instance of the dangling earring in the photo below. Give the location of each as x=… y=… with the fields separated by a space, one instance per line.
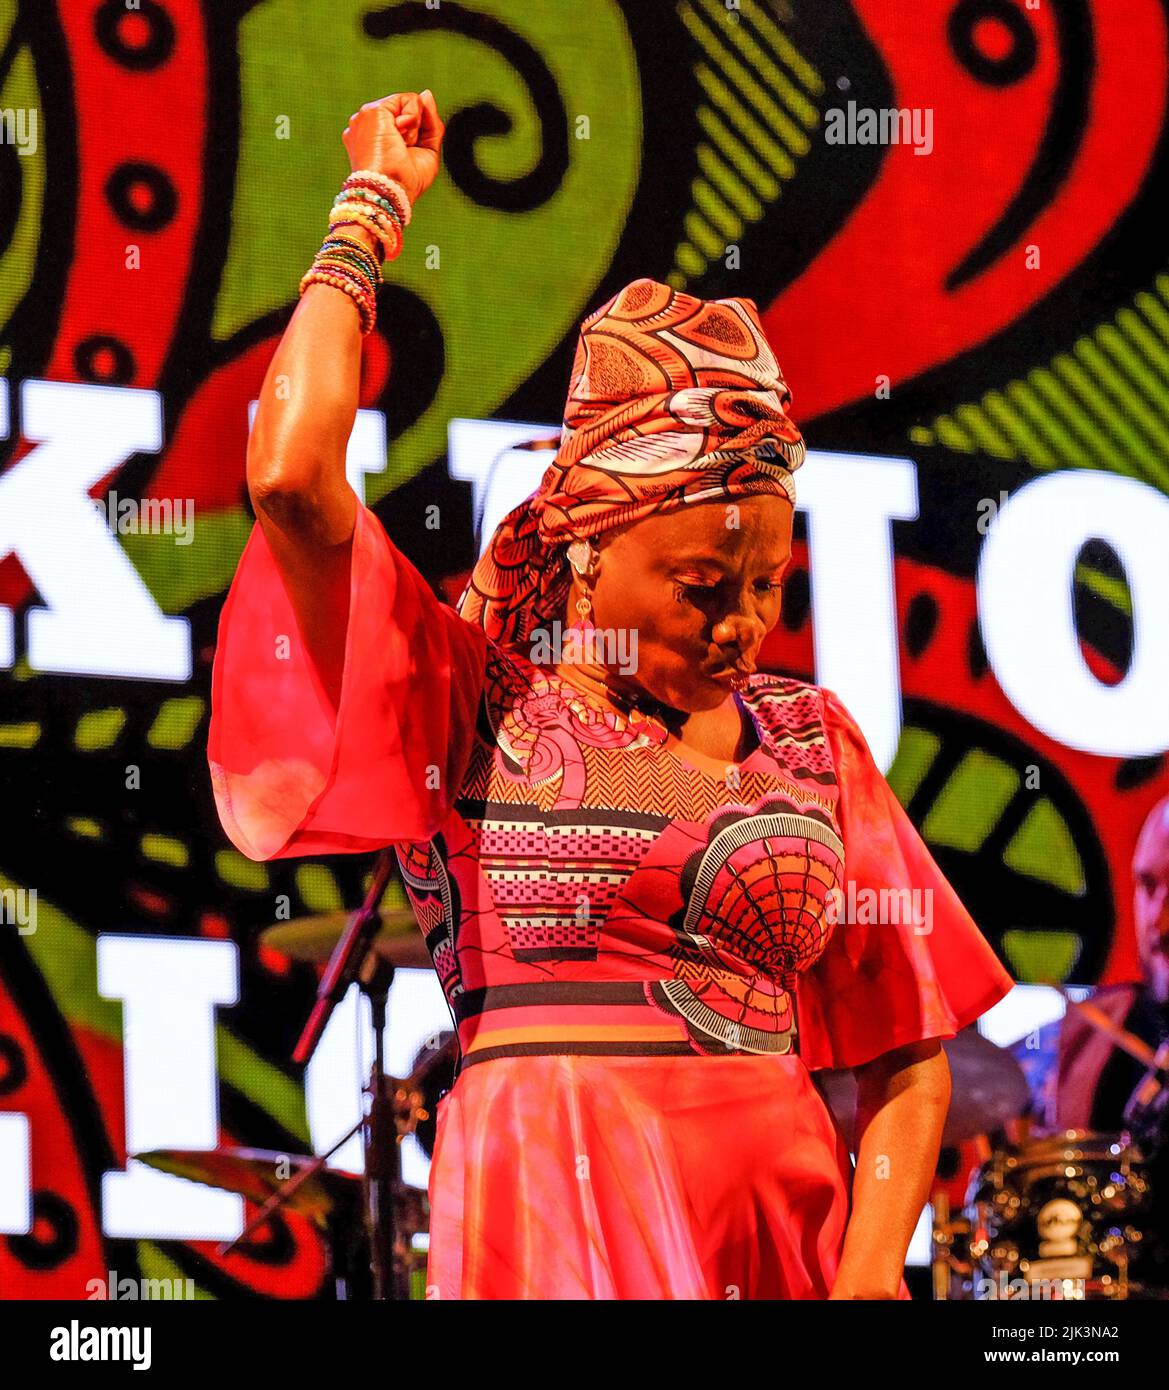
x=580 y=557
x=584 y=611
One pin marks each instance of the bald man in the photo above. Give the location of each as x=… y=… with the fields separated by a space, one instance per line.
x=1078 y=1077
x=1094 y=1079
x=1150 y=869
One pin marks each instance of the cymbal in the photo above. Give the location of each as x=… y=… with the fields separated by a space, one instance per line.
x=254 y=1174
x=988 y=1089
x=313 y=939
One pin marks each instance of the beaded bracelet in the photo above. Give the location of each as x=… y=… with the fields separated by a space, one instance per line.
x=367 y=195
x=326 y=277
x=363 y=193
x=358 y=277
x=384 y=227
x=360 y=259
x=349 y=251
x=362 y=211
x=337 y=225
x=353 y=270
x=389 y=188
x=380 y=206
x=355 y=278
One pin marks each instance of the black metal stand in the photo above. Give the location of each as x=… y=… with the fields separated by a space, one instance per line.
x=354 y=960
x=382 y=1166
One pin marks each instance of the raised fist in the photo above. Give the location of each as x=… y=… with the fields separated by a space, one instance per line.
x=399 y=136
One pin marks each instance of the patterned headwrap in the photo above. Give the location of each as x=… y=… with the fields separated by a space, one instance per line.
x=672 y=400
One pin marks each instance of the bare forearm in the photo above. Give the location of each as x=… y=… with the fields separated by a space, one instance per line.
x=901 y=1110
x=296 y=468
x=309 y=398
x=308 y=402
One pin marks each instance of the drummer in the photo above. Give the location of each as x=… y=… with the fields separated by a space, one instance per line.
x=1079 y=1078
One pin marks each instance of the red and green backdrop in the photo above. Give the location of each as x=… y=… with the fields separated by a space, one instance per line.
x=1009 y=289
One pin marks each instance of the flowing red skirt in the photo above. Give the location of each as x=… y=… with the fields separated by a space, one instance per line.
x=577 y=1177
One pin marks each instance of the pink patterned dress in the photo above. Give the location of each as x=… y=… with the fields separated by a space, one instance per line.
x=642 y=949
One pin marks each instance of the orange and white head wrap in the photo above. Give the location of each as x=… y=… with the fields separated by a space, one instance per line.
x=673 y=400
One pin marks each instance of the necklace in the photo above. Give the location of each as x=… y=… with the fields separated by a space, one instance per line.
x=628 y=703
x=638 y=707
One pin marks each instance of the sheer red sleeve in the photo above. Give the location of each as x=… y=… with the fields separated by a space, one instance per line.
x=914 y=968
x=288 y=777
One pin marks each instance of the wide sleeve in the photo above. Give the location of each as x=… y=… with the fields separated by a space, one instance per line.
x=900 y=966
x=289 y=777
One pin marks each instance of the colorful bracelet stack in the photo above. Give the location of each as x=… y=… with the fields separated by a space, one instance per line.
x=380 y=205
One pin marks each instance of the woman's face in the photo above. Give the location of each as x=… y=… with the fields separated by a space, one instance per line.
x=700 y=588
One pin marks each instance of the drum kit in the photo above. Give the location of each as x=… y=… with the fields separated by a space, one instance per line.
x=1066 y=1215
x=1061 y=1215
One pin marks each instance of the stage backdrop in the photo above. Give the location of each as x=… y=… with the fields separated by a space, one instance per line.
x=943 y=211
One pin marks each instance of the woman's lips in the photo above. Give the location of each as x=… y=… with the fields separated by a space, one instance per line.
x=728 y=675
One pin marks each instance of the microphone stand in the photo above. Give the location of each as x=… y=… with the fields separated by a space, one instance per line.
x=351 y=962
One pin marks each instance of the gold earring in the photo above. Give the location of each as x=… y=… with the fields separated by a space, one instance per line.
x=584 y=610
